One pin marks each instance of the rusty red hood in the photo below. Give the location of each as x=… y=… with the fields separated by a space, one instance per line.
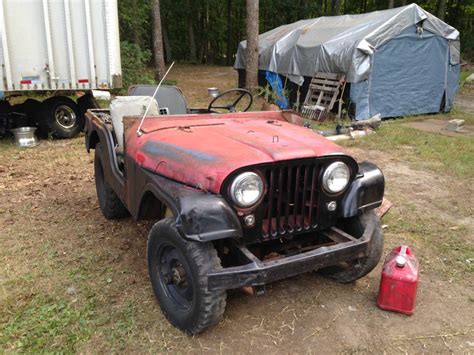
x=202 y=150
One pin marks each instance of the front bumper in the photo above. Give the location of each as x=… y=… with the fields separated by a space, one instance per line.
x=257 y=272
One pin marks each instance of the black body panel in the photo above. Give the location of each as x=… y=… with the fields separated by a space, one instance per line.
x=258 y=273
x=200 y=216
x=366 y=191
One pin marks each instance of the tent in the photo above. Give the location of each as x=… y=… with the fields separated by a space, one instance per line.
x=400 y=61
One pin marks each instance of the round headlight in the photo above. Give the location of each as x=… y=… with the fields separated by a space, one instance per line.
x=246 y=189
x=336 y=177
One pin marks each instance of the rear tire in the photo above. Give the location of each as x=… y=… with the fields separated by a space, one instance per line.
x=110 y=204
x=354 y=270
x=60 y=116
x=178 y=272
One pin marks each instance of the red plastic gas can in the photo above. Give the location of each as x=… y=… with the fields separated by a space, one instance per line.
x=399 y=281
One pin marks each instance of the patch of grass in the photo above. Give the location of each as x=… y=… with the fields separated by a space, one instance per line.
x=463 y=75
x=449 y=240
x=454 y=155
x=458 y=114
x=47 y=325
x=124 y=328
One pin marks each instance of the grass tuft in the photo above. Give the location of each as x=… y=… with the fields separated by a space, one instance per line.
x=454 y=155
x=47 y=325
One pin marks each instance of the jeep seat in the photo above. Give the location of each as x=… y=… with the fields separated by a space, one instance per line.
x=123 y=106
x=170 y=98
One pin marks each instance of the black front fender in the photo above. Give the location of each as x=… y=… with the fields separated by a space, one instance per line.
x=366 y=191
x=200 y=216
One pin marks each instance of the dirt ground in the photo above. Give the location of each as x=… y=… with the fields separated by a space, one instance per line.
x=71 y=280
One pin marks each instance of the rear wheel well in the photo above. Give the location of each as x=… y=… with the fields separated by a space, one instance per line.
x=151 y=207
x=93 y=139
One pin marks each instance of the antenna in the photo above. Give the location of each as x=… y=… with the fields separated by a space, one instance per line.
x=139 y=129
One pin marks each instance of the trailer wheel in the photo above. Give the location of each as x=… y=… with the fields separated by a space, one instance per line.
x=60 y=117
x=109 y=202
x=354 y=270
x=178 y=272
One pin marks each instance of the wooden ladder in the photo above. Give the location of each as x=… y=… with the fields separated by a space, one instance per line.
x=323 y=92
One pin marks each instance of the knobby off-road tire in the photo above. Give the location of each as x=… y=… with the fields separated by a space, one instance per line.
x=109 y=202
x=358 y=268
x=178 y=270
x=60 y=116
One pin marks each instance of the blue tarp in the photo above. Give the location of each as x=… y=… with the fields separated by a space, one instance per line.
x=277 y=86
x=411 y=74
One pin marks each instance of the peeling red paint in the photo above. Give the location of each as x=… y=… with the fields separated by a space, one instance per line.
x=202 y=150
x=140 y=158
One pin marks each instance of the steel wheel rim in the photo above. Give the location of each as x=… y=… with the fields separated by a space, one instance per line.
x=173 y=272
x=65 y=116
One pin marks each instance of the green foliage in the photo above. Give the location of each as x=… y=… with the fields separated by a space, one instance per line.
x=135 y=22
x=270 y=95
x=135 y=61
x=218 y=26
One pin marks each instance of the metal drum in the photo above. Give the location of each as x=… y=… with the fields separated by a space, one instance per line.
x=25 y=136
x=213 y=92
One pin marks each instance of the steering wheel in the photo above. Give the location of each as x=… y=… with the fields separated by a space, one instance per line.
x=231 y=106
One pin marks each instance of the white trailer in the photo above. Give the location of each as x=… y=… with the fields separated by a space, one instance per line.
x=60 y=47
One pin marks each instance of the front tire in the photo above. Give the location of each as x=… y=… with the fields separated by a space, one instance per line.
x=110 y=204
x=178 y=271
x=354 y=270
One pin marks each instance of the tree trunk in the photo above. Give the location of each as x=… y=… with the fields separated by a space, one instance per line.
x=229 y=33
x=336 y=7
x=166 y=40
x=404 y=2
x=207 y=43
x=441 y=9
x=391 y=4
x=158 y=42
x=192 y=41
x=301 y=10
x=200 y=40
x=252 y=45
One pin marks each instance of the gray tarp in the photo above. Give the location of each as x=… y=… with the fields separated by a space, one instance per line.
x=341 y=44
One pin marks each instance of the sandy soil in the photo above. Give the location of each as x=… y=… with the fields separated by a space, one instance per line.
x=54 y=237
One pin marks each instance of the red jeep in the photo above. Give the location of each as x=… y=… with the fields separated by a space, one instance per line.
x=240 y=199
